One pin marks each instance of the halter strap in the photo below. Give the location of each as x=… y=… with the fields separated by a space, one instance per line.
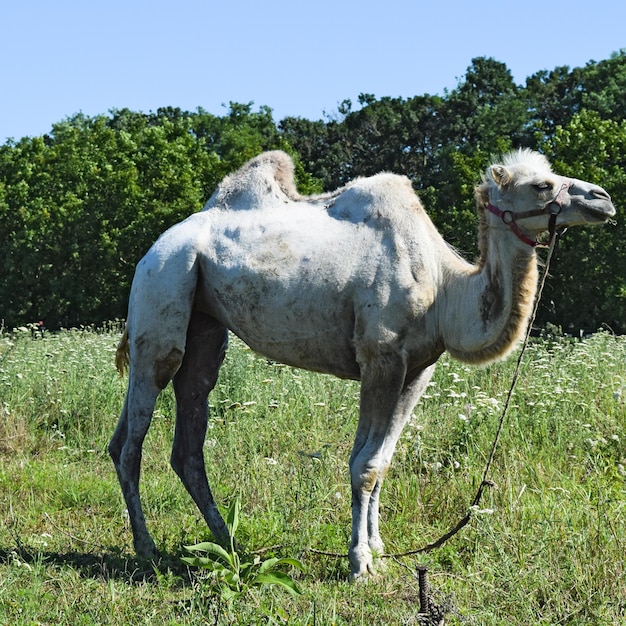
x=509 y=218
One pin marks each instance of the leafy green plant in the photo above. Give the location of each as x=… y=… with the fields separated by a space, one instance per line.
x=232 y=574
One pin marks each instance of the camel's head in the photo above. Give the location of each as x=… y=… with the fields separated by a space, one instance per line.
x=527 y=196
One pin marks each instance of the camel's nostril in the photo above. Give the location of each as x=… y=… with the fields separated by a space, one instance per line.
x=601 y=194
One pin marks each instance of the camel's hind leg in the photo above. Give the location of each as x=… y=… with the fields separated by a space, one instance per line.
x=125 y=450
x=152 y=368
x=204 y=352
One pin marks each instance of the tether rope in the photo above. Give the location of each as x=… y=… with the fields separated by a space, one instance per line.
x=485 y=481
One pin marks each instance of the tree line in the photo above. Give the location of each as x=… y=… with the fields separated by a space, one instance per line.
x=80 y=206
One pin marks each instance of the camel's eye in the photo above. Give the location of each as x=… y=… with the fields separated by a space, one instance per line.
x=545 y=186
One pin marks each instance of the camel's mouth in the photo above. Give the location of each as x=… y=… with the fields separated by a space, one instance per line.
x=596 y=205
x=598 y=213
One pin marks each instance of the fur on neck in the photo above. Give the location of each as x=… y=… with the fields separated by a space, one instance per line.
x=501 y=293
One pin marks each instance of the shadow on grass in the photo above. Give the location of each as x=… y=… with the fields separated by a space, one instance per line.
x=112 y=565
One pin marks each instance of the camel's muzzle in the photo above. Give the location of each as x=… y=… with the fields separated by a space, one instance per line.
x=599 y=212
x=599 y=207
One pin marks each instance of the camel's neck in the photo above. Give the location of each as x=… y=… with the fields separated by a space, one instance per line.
x=487 y=311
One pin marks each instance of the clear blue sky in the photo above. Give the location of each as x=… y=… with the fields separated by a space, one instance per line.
x=299 y=57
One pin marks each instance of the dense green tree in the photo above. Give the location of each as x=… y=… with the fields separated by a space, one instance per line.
x=554 y=97
x=323 y=148
x=80 y=206
x=604 y=87
x=484 y=108
x=588 y=285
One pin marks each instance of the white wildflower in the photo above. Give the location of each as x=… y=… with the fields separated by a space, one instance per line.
x=478 y=511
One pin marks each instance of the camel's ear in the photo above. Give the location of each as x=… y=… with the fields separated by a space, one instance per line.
x=501 y=176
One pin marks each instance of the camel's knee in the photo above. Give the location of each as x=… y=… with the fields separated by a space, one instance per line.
x=192 y=474
x=178 y=461
x=115 y=450
x=115 y=445
x=119 y=436
x=364 y=477
x=187 y=463
x=166 y=367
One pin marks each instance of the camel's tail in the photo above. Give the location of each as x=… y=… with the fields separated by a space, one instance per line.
x=122 y=355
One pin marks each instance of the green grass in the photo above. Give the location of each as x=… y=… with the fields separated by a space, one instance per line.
x=548 y=545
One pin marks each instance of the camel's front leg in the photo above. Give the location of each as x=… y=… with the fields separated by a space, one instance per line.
x=380 y=424
x=407 y=401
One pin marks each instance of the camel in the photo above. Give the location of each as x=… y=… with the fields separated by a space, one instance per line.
x=357 y=283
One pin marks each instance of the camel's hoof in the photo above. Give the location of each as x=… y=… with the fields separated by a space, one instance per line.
x=381 y=565
x=364 y=574
x=147 y=550
x=362 y=578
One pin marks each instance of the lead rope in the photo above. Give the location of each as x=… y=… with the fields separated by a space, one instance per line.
x=428 y=609
x=554 y=237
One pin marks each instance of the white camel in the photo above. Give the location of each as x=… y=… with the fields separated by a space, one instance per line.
x=357 y=283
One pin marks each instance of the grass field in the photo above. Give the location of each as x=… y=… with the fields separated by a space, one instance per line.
x=547 y=546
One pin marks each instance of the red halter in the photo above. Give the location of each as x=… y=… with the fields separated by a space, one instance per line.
x=510 y=218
